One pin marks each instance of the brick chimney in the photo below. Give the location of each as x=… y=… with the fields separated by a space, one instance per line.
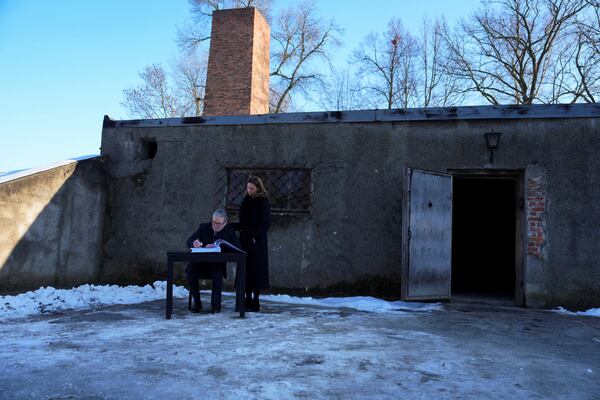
x=237 y=82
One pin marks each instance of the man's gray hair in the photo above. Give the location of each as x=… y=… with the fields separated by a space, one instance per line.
x=221 y=212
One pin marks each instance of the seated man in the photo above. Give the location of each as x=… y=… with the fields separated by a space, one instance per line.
x=205 y=236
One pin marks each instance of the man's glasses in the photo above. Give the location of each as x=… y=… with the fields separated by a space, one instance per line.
x=218 y=223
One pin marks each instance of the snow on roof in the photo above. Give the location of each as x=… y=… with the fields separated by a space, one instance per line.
x=20 y=173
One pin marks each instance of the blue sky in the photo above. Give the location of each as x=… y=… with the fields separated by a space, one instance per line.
x=64 y=63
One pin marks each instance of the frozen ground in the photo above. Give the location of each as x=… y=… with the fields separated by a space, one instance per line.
x=467 y=350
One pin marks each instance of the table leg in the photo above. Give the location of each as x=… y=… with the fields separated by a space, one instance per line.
x=169 y=289
x=241 y=287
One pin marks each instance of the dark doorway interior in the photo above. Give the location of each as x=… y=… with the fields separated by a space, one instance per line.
x=483 y=236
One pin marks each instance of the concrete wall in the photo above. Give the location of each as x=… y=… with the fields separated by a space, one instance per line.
x=51 y=227
x=353 y=235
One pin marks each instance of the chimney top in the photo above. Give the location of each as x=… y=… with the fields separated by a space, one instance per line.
x=237 y=81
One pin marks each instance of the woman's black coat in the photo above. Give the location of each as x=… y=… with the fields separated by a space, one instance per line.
x=255 y=219
x=206 y=235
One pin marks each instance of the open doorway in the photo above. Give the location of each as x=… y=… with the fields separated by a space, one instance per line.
x=486 y=239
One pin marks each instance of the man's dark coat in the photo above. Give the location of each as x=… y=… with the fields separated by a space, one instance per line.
x=206 y=235
x=255 y=219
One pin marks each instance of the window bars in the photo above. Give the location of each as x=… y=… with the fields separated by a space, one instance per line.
x=290 y=189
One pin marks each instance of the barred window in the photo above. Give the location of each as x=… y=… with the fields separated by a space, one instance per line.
x=290 y=189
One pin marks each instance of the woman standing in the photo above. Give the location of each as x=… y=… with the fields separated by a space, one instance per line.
x=255 y=219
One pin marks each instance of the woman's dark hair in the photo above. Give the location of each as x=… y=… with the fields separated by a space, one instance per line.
x=260 y=186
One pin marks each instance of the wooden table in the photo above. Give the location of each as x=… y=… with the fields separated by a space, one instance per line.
x=188 y=256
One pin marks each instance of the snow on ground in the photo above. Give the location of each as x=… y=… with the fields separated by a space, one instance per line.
x=361 y=303
x=592 y=312
x=49 y=300
x=301 y=350
x=112 y=342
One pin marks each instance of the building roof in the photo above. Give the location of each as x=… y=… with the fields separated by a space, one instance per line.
x=534 y=111
x=22 y=173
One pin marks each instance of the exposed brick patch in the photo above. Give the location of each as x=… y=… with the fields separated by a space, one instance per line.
x=536 y=206
x=237 y=81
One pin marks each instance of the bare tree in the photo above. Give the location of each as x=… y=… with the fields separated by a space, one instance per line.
x=587 y=57
x=340 y=91
x=506 y=51
x=190 y=80
x=436 y=87
x=196 y=32
x=299 y=40
x=575 y=71
x=155 y=97
x=207 y=7
x=386 y=66
x=590 y=25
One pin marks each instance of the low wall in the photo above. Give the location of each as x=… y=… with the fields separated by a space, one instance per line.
x=51 y=226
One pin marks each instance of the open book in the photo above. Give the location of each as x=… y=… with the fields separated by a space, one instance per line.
x=220 y=245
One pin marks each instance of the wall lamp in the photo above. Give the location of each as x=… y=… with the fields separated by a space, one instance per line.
x=492 y=140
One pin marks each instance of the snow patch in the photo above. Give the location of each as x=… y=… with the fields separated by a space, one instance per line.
x=50 y=300
x=361 y=303
x=592 y=312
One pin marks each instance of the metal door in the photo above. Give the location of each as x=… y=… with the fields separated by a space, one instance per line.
x=426 y=235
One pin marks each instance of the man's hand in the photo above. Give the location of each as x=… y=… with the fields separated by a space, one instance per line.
x=211 y=245
x=197 y=243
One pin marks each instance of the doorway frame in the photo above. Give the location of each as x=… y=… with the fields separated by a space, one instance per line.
x=518 y=176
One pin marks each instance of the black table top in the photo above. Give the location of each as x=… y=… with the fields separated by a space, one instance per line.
x=206 y=257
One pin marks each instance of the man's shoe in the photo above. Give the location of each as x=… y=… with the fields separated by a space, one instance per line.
x=197 y=307
x=215 y=308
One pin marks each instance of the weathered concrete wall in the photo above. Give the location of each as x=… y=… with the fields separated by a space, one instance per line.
x=51 y=225
x=353 y=234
